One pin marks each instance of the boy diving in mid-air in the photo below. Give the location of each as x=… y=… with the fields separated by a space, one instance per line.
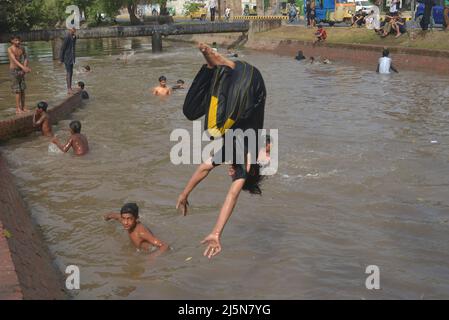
x=243 y=80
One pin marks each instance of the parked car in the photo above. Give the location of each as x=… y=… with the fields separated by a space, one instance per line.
x=200 y=12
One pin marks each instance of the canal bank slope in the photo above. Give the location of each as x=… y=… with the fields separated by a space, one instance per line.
x=412 y=51
x=27 y=269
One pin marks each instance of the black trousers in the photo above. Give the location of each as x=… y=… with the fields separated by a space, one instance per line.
x=212 y=14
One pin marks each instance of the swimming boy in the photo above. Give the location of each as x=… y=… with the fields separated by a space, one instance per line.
x=42 y=119
x=141 y=237
x=162 y=89
x=179 y=85
x=77 y=141
x=84 y=94
x=384 y=66
x=18 y=67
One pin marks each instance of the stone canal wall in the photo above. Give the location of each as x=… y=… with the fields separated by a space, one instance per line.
x=27 y=270
x=26 y=266
x=22 y=125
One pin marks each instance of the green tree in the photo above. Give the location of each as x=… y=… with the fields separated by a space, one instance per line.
x=19 y=15
x=112 y=7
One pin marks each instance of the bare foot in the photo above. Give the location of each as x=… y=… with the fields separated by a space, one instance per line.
x=398 y=35
x=214 y=58
x=70 y=92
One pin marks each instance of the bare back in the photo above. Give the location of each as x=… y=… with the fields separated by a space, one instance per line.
x=46 y=127
x=79 y=144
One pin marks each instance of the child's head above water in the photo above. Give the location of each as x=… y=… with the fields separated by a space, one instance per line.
x=42 y=106
x=129 y=215
x=81 y=85
x=253 y=177
x=253 y=180
x=180 y=81
x=87 y=68
x=75 y=126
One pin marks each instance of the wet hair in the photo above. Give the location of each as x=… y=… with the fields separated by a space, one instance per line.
x=180 y=81
x=130 y=208
x=253 y=180
x=15 y=37
x=42 y=105
x=81 y=84
x=320 y=26
x=87 y=67
x=162 y=78
x=75 y=125
x=385 y=52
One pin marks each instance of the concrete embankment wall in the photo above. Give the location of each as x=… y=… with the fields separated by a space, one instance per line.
x=23 y=124
x=412 y=59
x=367 y=55
x=27 y=270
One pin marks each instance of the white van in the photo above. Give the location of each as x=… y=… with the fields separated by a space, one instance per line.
x=364 y=5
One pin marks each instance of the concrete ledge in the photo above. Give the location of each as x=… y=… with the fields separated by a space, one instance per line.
x=26 y=266
x=22 y=125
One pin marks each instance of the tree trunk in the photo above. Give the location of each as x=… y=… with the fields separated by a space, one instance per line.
x=132 y=9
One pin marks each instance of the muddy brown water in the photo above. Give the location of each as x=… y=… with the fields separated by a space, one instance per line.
x=363 y=180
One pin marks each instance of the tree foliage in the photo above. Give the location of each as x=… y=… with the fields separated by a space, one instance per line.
x=24 y=15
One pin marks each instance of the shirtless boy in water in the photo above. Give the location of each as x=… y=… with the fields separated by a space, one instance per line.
x=141 y=237
x=162 y=89
x=18 y=67
x=77 y=140
x=42 y=119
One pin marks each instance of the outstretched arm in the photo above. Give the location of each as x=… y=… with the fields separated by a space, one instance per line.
x=201 y=172
x=111 y=216
x=394 y=69
x=377 y=70
x=213 y=239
